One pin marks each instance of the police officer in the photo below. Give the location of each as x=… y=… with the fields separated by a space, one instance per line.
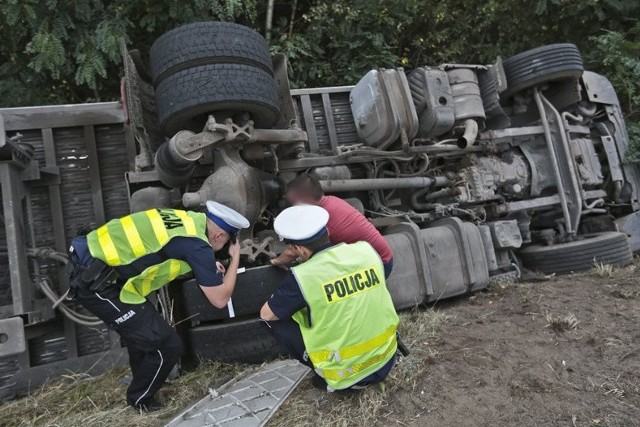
x=115 y=268
x=333 y=312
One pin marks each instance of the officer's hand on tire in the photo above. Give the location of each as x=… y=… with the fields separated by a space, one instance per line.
x=277 y=263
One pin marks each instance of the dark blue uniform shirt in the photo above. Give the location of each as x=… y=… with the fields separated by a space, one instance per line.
x=288 y=298
x=193 y=250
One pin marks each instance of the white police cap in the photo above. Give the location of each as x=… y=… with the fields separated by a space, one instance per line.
x=225 y=217
x=301 y=224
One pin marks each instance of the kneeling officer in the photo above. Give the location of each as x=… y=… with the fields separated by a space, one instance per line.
x=333 y=312
x=115 y=267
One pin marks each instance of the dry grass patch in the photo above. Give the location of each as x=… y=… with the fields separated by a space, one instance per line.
x=602 y=270
x=499 y=288
x=79 y=399
x=560 y=324
x=421 y=324
x=82 y=400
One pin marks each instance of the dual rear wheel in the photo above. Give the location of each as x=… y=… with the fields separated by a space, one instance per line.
x=217 y=68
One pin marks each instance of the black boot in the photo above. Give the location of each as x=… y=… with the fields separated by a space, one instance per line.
x=149 y=405
x=319 y=382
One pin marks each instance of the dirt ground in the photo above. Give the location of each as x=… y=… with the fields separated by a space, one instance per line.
x=560 y=352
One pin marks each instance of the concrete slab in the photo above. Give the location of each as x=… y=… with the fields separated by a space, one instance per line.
x=248 y=400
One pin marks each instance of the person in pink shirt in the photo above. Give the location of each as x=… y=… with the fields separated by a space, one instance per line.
x=346 y=224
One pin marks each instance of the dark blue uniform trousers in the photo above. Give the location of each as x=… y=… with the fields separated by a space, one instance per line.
x=287 y=333
x=154 y=346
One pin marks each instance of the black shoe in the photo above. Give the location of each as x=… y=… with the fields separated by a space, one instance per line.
x=319 y=383
x=150 y=405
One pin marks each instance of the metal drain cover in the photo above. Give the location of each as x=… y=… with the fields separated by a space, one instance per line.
x=248 y=400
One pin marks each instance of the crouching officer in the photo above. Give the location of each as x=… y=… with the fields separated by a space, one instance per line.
x=115 y=268
x=333 y=312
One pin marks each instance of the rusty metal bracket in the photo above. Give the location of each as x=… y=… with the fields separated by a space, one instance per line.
x=230 y=132
x=253 y=248
x=175 y=159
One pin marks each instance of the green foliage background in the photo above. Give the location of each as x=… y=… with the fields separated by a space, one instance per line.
x=66 y=51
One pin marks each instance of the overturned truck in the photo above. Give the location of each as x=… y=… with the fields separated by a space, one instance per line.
x=472 y=172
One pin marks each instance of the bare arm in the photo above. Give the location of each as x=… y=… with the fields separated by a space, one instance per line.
x=285 y=259
x=266 y=313
x=219 y=295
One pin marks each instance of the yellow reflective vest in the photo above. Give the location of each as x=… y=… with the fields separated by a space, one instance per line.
x=349 y=327
x=124 y=240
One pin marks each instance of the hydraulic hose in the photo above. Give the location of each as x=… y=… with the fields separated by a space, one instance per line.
x=417 y=205
x=440 y=193
x=58 y=302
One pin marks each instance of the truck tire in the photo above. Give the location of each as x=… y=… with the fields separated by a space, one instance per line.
x=580 y=255
x=186 y=98
x=253 y=288
x=544 y=64
x=203 y=43
x=247 y=341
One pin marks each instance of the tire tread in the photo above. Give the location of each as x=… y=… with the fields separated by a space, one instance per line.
x=198 y=91
x=544 y=64
x=246 y=341
x=203 y=43
x=580 y=255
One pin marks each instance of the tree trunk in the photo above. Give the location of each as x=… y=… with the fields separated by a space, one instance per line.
x=269 y=23
x=293 y=17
